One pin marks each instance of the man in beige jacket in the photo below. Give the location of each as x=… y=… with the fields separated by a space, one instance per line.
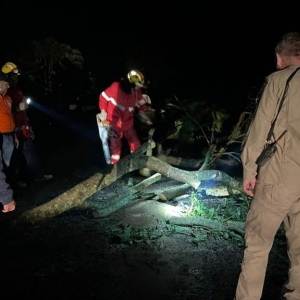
x=275 y=187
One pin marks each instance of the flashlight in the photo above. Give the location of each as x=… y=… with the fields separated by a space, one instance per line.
x=28 y=100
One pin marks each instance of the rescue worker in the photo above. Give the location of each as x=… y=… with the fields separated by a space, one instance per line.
x=274 y=186
x=117 y=105
x=7 y=139
x=25 y=158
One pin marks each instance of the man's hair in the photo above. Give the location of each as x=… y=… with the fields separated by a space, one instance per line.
x=289 y=44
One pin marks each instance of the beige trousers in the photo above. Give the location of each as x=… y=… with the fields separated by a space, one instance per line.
x=270 y=206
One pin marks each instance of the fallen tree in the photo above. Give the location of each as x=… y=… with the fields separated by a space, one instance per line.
x=76 y=196
x=127 y=194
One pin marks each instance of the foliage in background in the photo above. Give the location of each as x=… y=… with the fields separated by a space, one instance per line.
x=49 y=64
x=201 y=124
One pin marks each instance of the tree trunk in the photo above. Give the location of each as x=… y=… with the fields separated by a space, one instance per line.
x=124 y=196
x=181 y=162
x=173 y=192
x=78 y=194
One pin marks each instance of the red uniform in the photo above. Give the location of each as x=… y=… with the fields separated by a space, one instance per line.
x=20 y=117
x=120 y=107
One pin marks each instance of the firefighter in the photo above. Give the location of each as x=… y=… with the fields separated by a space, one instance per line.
x=25 y=158
x=117 y=104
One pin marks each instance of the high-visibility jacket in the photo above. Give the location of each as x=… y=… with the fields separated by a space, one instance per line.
x=120 y=106
x=7 y=123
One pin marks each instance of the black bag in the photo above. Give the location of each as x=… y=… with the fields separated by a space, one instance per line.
x=268 y=151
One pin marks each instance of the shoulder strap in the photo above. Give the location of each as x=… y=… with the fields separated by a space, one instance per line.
x=281 y=103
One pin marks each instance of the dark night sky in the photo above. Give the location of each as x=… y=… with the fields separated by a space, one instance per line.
x=215 y=51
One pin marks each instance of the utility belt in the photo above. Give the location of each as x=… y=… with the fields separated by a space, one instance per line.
x=7 y=133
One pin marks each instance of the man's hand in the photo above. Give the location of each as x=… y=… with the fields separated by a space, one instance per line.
x=16 y=142
x=32 y=133
x=9 y=207
x=23 y=105
x=249 y=186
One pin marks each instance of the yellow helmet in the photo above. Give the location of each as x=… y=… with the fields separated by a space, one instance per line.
x=136 y=77
x=10 y=67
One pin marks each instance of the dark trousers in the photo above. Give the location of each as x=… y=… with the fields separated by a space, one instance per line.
x=26 y=161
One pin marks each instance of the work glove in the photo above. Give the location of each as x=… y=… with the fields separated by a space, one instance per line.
x=146 y=98
x=103 y=115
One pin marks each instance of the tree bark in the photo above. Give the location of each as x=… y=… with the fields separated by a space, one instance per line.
x=78 y=194
x=181 y=162
x=173 y=192
x=124 y=196
x=238 y=227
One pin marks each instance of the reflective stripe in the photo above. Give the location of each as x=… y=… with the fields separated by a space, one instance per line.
x=113 y=101
x=141 y=102
x=115 y=157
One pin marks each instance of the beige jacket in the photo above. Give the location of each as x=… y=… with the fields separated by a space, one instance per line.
x=284 y=167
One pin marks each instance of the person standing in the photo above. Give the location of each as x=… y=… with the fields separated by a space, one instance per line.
x=117 y=105
x=25 y=158
x=274 y=186
x=7 y=139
